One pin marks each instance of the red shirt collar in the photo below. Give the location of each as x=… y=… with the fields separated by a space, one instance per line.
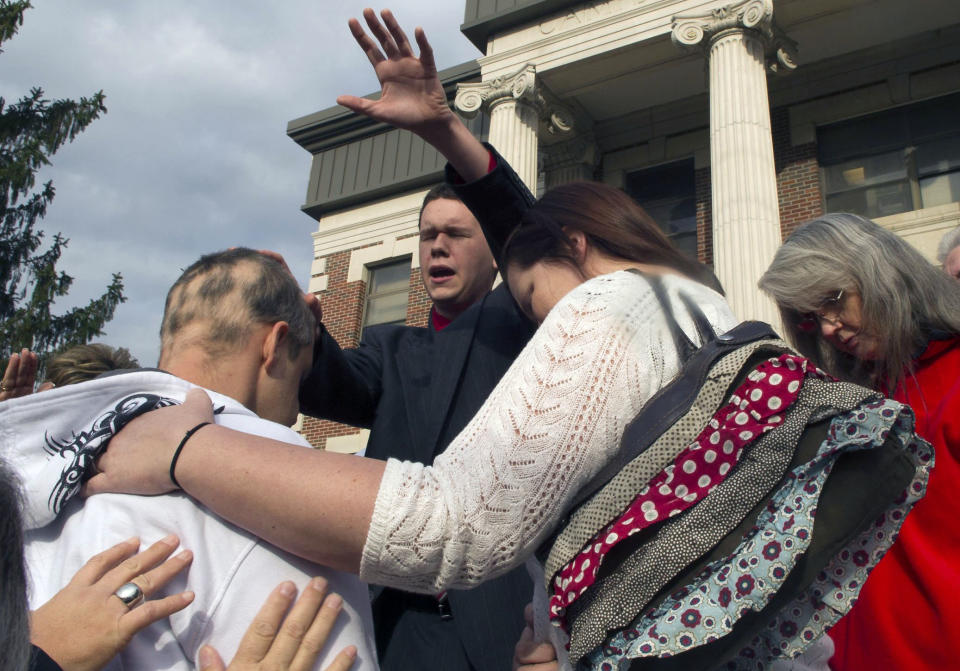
x=438 y=321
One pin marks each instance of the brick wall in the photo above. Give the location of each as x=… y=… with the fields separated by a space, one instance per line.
x=798 y=186
x=342 y=303
x=798 y=175
x=418 y=302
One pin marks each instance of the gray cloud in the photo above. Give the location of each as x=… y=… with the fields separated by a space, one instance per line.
x=192 y=155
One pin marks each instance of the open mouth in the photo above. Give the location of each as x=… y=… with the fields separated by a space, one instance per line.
x=441 y=273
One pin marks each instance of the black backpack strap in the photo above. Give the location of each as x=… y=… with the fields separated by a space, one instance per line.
x=673 y=400
x=670 y=403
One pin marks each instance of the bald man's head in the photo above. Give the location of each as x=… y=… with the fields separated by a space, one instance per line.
x=219 y=298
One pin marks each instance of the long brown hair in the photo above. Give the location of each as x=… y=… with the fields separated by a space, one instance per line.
x=612 y=222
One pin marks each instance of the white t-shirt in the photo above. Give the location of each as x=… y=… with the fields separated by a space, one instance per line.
x=232 y=572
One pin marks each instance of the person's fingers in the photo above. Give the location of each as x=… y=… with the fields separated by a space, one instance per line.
x=529 y=651
x=270 y=254
x=542 y=653
x=96 y=484
x=20 y=375
x=363 y=106
x=426 y=51
x=210 y=659
x=368 y=45
x=313 y=303
x=151 y=611
x=198 y=401
x=8 y=381
x=528 y=615
x=344 y=659
x=29 y=362
x=99 y=564
x=13 y=367
x=136 y=568
x=383 y=36
x=322 y=622
x=153 y=580
x=399 y=37
x=297 y=624
x=261 y=633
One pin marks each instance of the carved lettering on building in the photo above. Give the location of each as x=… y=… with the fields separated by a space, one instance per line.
x=576 y=17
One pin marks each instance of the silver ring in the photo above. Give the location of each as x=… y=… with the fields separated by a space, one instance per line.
x=130 y=594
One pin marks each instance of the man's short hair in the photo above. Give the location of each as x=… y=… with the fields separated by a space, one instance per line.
x=230 y=291
x=440 y=191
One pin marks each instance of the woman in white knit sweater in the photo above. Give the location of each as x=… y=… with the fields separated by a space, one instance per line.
x=602 y=350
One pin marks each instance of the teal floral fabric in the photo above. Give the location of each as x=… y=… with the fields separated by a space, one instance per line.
x=747 y=579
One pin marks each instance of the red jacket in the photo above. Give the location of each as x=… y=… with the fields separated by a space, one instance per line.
x=908 y=614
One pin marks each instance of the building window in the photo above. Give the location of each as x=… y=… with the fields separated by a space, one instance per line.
x=899 y=160
x=668 y=193
x=387 y=291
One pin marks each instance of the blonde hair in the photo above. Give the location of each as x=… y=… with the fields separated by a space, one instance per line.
x=85 y=362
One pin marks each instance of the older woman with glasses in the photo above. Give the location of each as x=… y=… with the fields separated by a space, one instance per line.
x=868 y=307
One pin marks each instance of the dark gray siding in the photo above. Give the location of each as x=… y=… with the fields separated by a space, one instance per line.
x=483 y=18
x=374 y=167
x=357 y=160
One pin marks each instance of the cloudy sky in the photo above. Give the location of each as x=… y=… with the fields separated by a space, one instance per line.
x=192 y=155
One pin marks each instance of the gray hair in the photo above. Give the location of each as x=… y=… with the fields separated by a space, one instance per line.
x=231 y=290
x=949 y=242
x=904 y=296
x=14 y=613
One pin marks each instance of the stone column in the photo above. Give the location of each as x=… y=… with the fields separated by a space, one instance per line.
x=517 y=107
x=739 y=39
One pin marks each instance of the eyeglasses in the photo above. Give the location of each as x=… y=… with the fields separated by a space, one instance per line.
x=829 y=312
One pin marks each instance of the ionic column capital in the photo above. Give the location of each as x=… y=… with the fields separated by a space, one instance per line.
x=755 y=16
x=519 y=87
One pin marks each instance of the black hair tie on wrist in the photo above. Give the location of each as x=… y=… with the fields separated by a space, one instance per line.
x=176 y=455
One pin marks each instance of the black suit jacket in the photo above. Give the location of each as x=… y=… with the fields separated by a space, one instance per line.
x=416 y=389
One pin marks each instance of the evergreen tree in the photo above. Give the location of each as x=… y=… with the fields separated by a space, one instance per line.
x=32 y=130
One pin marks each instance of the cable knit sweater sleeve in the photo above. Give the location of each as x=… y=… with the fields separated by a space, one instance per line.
x=553 y=420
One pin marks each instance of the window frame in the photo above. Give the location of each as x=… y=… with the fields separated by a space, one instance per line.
x=368 y=294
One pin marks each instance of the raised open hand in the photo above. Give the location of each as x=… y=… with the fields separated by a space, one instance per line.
x=412 y=96
x=19 y=376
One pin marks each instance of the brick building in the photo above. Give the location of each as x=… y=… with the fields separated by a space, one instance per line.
x=730 y=123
